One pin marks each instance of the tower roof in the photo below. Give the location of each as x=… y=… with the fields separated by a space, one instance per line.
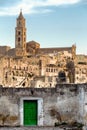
x=20 y=15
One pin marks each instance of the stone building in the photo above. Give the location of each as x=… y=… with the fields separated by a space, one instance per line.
x=28 y=64
x=4 y=50
x=63 y=103
x=23 y=48
x=81 y=69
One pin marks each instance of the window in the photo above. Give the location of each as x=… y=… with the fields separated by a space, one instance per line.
x=51 y=70
x=19 y=32
x=19 y=39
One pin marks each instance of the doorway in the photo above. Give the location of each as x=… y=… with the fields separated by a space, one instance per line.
x=30 y=112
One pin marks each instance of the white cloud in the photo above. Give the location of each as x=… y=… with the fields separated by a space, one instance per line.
x=60 y=2
x=29 y=6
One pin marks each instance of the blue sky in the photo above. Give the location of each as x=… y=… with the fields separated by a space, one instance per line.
x=52 y=23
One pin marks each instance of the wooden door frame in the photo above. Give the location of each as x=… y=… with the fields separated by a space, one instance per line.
x=39 y=111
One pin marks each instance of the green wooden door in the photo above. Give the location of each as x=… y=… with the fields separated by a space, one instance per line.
x=30 y=112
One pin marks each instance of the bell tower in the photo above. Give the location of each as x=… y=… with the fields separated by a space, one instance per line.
x=20 y=36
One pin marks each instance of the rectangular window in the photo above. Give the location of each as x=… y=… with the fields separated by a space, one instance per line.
x=19 y=33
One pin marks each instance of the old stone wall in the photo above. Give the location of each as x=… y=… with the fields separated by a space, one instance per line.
x=65 y=102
